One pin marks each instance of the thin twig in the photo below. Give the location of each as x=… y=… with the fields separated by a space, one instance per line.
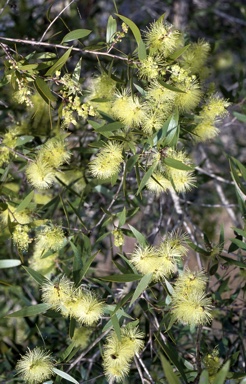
x=113 y=200
x=198 y=353
x=76 y=361
x=38 y=43
x=144 y=368
x=3 y=8
x=57 y=17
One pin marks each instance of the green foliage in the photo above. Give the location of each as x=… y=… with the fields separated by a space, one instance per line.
x=106 y=272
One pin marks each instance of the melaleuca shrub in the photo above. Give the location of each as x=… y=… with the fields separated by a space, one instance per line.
x=94 y=151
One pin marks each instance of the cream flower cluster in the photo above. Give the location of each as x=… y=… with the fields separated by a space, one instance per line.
x=160 y=260
x=78 y=303
x=118 y=352
x=172 y=177
x=42 y=172
x=190 y=305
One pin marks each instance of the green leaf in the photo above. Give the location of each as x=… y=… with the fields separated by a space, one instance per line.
x=25 y=203
x=198 y=249
x=86 y=266
x=44 y=90
x=239 y=243
x=168 y=369
x=77 y=71
x=121 y=278
x=204 y=378
x=9 y=263
x=122 y=217
x=142 y=285
x=40 y=279
x=110 y=127
x=116 y=326
x=131 y=162
x=179 y=52
x=136 y=32
x=59 y=63
x=64 y=375
x=140 y=238
x=233 y=262
x=177 y=164
x=111 y=29
x=31 y=310
x=170 y=87
x=23 y=140
x=172 y=129
x=221 y=375
x=240 y=116
x=171 y=353
x=75 y=35
x=146 y=177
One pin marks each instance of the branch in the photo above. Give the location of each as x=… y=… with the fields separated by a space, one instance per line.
x=39 y=43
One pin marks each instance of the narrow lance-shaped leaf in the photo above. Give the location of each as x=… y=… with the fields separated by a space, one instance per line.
x=177 y=164
x=25 y=203
x=121 y=278
x=204 y=378
x=44 y=90
x=142 y=285
x=31 y=310
x=146 y=177
x=60 y=63
x=75 y=35
x=221 y=375
x=111 y=29
x=140 y=238
x=65 y=376
x=168 y=369
x=136 y=32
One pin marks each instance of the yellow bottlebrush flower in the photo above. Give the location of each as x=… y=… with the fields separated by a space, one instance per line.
x=195 y=56
x=163 y=38
x=158 y=183
x=173 y=246
x=193 y=308
x=149 y=68
x=20 y=237
x=40 y=174
x=153 y=260
x=54 y=153
x=85 y=307
x=118 y=353
x=159 y=96
x=102 y=86
x=191 y=98
x=190 y=281
x=187 y=83
x=153 y=119
x=128 y=110
x=35 y=366
x=107 y=163
x=214 y=108
x=183 y=180
x=81 y=337
x=51 y=238
x=205 y=130
x=58 y=294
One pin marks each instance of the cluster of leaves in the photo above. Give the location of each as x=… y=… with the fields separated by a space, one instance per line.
x=80 y=158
